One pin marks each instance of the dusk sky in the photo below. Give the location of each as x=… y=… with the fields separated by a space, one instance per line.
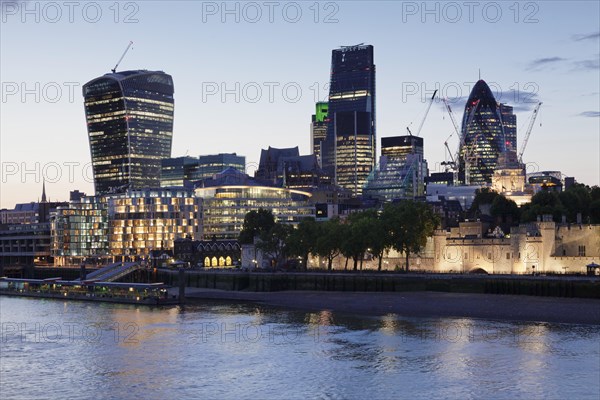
x=545 y=51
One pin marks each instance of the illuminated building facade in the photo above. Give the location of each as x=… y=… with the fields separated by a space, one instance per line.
x=208 y=253
x=483 y=134
x=151 y=219
x=509 y=178
x=80 y=232
x=397 y=148
x=545 y=180
x=348 y=152
x=401 y=171
x=209 y=165
x=130 y=127
x=228 y=197
x=177 y=171
x=318 y=129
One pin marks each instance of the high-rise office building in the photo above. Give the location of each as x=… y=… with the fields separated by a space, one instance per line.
x=397 y=148
x=130 y=127
x=177 y=171
x=509 y=124
x=209 y=165
x=484 y=136
x=348 y=152
x=401 y=171
x=318 y=129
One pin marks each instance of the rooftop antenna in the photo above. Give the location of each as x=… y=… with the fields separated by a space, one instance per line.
x=114 y=70
x=479 y=73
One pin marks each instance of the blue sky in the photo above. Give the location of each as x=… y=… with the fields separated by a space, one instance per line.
x=528 y=51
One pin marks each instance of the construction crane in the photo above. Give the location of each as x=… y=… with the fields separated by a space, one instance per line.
x=452 y=162
x=528 y=132
x=114 y=70
x=426 y=112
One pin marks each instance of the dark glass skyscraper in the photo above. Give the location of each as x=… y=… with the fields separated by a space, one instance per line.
x=484 y=136
x=130 y=127
x=178 y=171
x=348 y=152
x=509 y=124
x=209 y=165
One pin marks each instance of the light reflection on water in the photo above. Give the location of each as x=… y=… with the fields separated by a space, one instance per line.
x=80 y=350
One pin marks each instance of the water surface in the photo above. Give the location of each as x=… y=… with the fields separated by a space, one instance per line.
x=56 y=349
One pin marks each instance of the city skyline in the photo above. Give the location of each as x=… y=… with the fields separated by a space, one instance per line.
x=551 y=60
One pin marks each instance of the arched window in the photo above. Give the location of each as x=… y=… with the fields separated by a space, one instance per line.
x=214 y=262
x=206 y=262
x=228 y=261
x=221 y=262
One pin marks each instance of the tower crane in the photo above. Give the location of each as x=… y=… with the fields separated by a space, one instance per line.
x=452 y=162
x=425 y=116
x=114 y=70
x=528 y=132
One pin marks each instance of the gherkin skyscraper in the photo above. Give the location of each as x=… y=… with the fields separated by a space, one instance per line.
x=485 y=134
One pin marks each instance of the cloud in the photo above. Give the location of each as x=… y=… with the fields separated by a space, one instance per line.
x=590 y=114
x=544 y=62
x=592 y=64
x=588 y=36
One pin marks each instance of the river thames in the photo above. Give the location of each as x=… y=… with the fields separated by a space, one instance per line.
x=56 y=349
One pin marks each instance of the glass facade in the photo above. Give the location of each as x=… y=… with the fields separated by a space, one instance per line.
x=397 y=148
x=130 y=127
x=123 y=227
x=176 y=171
x=80 y=232
x=509 y=124
x=401 y=172
x=145 y=220
x=209 y=165
x=484 y=136
x=227 y=199
x=348 y=152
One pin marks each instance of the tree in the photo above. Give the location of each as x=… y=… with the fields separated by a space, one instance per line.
x=330 y=239
x=273 y=242
x=354 y=241
x=544 y=202
x=379 y=237
x=411 y=224
x=483 y=200
x=302 y=241
x=255 y=223
x=504 y=209
x=576 y=200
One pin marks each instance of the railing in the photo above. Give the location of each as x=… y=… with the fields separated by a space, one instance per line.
x=113 y=272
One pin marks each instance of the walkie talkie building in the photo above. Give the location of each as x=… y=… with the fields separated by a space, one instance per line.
x=130 y=128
